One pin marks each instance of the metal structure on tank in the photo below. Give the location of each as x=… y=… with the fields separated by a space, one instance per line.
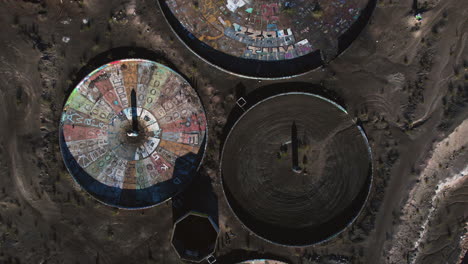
x=267 y=38
x=133 y=133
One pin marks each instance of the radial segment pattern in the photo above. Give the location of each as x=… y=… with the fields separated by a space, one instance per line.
x=133 y=133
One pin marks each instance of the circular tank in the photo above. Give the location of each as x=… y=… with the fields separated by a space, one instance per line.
x=296 y=169
x=262 y=261
x=132 y=133
x=267 y=38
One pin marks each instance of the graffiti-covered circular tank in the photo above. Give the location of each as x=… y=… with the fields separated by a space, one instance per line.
x=267 y=38
x=132 y=133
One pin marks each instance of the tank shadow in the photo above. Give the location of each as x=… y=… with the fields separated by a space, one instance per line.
x=199 y=197
x=182 y=176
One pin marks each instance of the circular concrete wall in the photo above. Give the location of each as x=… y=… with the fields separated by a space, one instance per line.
x=132 y=133
x=296 y=169
x=268 y=38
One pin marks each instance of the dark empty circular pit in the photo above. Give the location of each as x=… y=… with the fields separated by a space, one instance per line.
x=296 y=169
x=194 y=236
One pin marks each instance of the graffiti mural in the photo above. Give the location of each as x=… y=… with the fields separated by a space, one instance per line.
x=262 y=261
x=133 y=133
x=270 y=30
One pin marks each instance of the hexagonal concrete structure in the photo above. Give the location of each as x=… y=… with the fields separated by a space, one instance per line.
x=194 y=236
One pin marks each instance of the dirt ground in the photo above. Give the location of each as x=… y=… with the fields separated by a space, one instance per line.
x=405 y=81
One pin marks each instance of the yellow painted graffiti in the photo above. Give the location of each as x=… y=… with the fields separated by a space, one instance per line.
x=202 y=37
x=211 y=13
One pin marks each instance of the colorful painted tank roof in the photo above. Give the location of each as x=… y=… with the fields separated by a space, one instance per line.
x=266 y=30
x=133 y=133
